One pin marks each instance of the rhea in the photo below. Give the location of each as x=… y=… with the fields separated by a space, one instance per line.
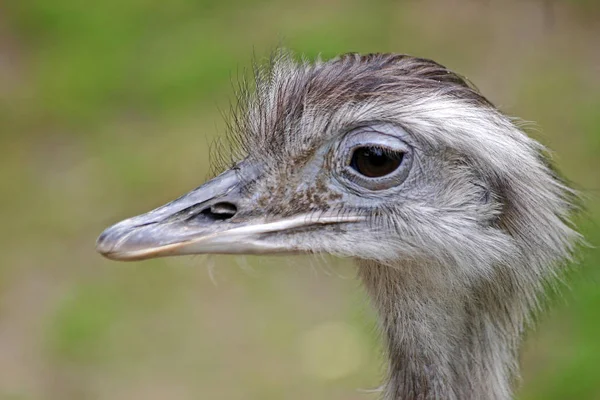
x=452 y=213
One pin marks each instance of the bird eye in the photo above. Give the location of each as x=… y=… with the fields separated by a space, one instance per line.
x=375 y=162
x=374 y=157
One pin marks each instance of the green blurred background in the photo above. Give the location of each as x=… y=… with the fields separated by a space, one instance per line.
x=108 y=108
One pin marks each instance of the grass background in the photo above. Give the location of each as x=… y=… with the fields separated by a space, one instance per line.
x=107 y=109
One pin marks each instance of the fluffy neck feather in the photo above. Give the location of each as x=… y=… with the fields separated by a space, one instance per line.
x=445 y=339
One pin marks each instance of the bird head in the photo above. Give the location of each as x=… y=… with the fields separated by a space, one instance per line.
x=378 y=157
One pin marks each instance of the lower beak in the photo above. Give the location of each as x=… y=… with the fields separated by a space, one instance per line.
x=195 y=224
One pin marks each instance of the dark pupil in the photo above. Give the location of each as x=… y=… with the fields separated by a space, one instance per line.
x=374 y=162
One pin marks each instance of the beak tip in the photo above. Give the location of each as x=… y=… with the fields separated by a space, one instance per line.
x=112 y=244
x=104 y=245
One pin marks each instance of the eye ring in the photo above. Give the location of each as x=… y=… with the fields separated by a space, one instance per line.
x=375 y=161
x=374 y=158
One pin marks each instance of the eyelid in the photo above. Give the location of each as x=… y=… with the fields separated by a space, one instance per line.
x=372 y=138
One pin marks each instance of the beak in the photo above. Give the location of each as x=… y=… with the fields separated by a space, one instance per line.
x=213 y=219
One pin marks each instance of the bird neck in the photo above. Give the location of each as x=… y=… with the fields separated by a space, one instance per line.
x=444 y=341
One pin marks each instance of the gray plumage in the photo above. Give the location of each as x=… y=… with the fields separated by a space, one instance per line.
x=454 y=246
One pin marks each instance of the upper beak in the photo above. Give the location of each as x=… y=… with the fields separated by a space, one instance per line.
x=214 y=218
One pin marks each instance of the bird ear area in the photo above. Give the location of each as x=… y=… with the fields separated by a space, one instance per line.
x=483 y=192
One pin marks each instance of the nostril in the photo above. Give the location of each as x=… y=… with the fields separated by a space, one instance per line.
x=220 y=211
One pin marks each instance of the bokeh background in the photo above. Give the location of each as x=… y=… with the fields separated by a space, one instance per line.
x=108 y=109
